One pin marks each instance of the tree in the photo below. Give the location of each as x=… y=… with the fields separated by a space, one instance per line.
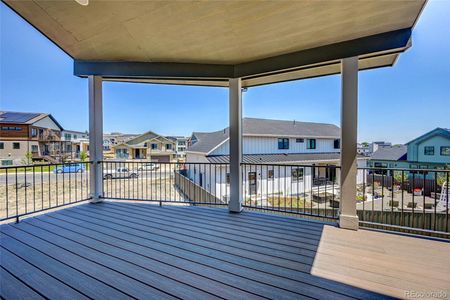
x=365 y=144
x=83 y=156
x=398 y=179
x=28 y=158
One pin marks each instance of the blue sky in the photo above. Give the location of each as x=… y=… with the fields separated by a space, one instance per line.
x=395 y=104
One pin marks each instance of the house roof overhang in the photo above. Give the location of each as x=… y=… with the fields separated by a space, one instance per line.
x=206 y=43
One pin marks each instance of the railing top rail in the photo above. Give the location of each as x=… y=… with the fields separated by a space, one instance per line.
x=161 y=163
x=44 y=165
x=403 y=169
x=290 y=165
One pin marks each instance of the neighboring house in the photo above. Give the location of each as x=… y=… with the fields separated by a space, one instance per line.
x=278 y=143
x=389 y=157
x=431 y=149
x=180 y=146
x=363 y=149
x=115 y=138
x=37 y=134
x=374 y=146
x=75 y=142
x=148 y=146
x=428 y=151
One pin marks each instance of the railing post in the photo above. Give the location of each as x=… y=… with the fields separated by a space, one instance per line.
x=235 y=135
x=349 y=121
x=95 y=137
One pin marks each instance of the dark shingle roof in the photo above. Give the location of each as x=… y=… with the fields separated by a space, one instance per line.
x=293 y=128
x=17 y=117
x=25 y=118
x=390 y=153
x=276 y=158
x=207 y=141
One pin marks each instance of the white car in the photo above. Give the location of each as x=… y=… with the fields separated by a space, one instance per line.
x=119 y=173
x=148 y=167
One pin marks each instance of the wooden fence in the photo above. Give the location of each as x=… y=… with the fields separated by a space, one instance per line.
x=194 y=192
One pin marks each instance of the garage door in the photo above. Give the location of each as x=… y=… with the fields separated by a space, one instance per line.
x=163 y=158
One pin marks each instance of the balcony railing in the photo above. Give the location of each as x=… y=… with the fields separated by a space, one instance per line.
x=295 y=189
x=194 y=183
x=26 y=190
x=411 y=200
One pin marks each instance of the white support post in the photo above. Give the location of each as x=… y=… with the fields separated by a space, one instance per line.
x=349 y=122
x=235 y=132
x=96 y=137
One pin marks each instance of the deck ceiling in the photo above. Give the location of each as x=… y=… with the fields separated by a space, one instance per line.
x=239 y=38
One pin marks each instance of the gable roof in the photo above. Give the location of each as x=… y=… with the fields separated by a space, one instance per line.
x=28 y=118
x=207 y=141
x=398 y=152
x=141 y=139
x=437 y=131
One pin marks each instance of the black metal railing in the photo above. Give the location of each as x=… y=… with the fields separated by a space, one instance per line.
x=30 y=189
x=412 y=200
x=194 y=183
x=296 y=189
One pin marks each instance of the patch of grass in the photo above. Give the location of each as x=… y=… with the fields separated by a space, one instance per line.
x=36 y=168
x=29 y=169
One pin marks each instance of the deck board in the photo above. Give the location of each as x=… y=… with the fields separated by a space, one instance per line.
x=133 y=250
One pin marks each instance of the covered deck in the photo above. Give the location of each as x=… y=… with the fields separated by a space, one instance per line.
x=133 y=250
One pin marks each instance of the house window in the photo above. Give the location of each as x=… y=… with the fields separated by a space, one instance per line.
x=311 y=144
x=283 y=143
x=168 y=146
x=18 y=128
x=227 y=178
x=299 y=140
x=270 y=174
x=154 y=146
x=16 y=145
x=33 y=132
x=297 y=174
x=337 y=144
x=445 y=150
x=428 y=150
x=2 y=146
x=34 y=148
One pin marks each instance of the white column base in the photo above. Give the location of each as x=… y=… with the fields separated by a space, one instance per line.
x=233 y=207
x=349 y=222
x=96 y=200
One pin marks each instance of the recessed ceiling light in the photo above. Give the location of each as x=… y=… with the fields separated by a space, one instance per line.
x=83 y=2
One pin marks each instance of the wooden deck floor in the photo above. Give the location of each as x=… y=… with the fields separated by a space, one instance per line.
x=126 y=250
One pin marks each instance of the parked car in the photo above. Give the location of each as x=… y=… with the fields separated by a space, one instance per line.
x=120 y=173
x=69 y=168
x=148 y=167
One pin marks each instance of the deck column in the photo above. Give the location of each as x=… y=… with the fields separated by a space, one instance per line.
x=96 y=137
x=235 y=133
x=349 y=122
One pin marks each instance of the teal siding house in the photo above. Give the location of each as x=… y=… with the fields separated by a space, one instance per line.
x=432 y=148
x=428 y=151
